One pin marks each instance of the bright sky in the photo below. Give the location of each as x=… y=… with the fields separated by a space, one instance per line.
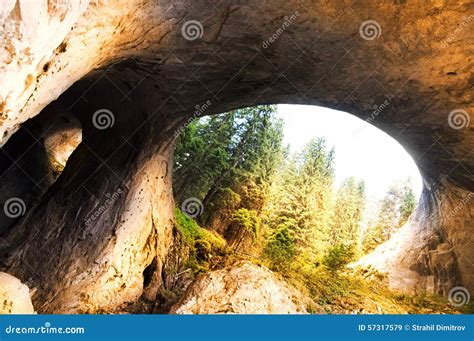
x=362 y=150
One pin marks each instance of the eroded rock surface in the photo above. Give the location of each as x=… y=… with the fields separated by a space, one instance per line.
x=137 y=60
x=430 y=252
x=14 y=296
x=244 y=288
x=33 y=160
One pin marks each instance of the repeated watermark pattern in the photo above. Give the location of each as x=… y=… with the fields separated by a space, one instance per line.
x=14 y=208
x=288 y=21
x=370 y=30
x=377 y=110
x=111 y=198
x=459 y=28
x=464 y=202
x=192 y=207
x=459 y=119
x=103 y=119
x=198 y=112
x=459 y=296
x=192 y=30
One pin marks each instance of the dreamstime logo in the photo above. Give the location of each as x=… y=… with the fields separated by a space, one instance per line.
x=200 y=109
x=111 y=198
x=458 y=296
x=14 y=208
x=192 y=30
x=103 y=119
x=458 y=119
x=47 y=328
x=459 y=28
x=192 y=207
x=377 y=110
x=370 y=30
x=288 y=21
x=461 y=205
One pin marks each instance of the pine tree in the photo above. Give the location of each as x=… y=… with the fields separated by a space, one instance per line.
x=299 y=207
x=347 y=213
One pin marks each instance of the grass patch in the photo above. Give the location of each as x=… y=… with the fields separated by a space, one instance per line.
x=206 y=247
x=351 y=292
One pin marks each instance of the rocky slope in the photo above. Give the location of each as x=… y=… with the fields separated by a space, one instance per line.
x=243 y=288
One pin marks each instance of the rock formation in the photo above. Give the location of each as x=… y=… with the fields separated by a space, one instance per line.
x=33 y=159
x=134 y=72
x=243 y=288
x=14 y=296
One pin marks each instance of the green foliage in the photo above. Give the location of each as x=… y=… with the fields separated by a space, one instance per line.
x=203 y=244
x=237 y=163
x=228 y=199
x=407 y=205
x=347 y=213
x=339 y=256
x=280 y=249
x=248 y=220
x=354 y=292
x=219 y=151
x=300 y=202
x=253 y=193
x=229 y=160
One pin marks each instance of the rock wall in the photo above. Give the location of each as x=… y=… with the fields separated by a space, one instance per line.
x=432 y=251
x=150 y=66
x=33 y=160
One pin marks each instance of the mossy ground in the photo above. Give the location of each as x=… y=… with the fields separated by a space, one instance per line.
x=353 y=292
x=336 y=292
x=207 y=247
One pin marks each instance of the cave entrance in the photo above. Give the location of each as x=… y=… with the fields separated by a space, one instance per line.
x=112 y=208
x=291 y=182
x=133 y=79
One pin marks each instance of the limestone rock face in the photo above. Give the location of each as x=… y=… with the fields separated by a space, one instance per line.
x=31 y=33
x=244 y=288
x=403 y=66
x=34 y=159
x=421 y=255
x=14 y=296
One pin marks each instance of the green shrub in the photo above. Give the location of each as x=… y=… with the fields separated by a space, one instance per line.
x=339 y=256
x=280 y=249
x=203 y=244
x=227 y=199
x=247 y=220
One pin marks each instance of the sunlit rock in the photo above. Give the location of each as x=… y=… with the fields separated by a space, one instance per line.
x=14 y=296
x=244 y=288
x=137 y=61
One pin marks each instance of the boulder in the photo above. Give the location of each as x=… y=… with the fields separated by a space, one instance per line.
x=14 y=296
x=243 y=288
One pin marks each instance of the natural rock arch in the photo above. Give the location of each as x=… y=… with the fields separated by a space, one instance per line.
x=109 y=215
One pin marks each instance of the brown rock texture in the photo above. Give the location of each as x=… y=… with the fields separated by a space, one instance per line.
x=33 y=160
x=14 y=296
x=243 y=288
x=404 y=66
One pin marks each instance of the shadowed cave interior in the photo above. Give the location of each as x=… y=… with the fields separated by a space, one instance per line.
x=126 y=257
